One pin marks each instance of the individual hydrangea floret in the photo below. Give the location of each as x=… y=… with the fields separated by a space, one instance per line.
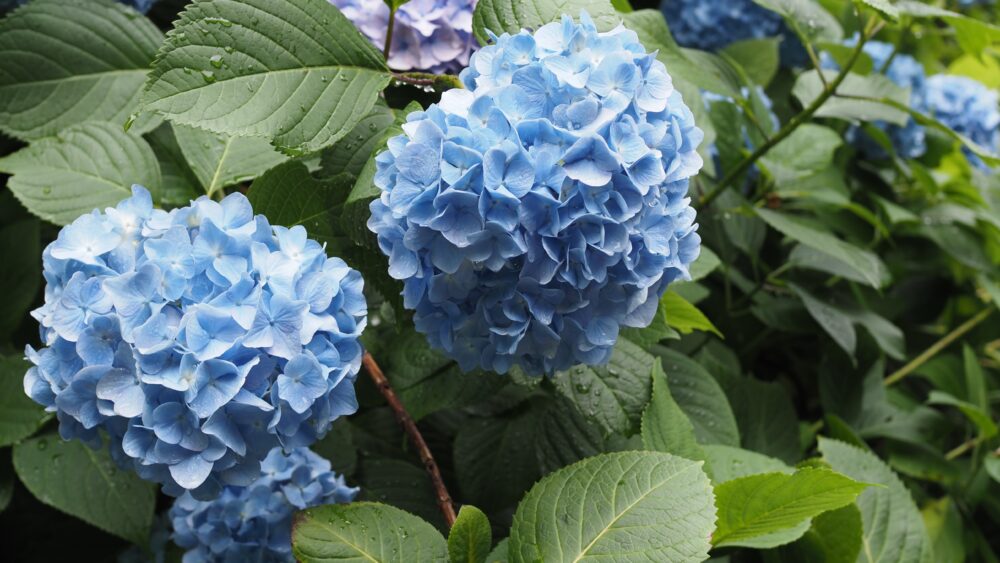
x=968 y=107
x=197 y=339
x=254 y=523
x=535 y=213
x=431 y=35
x=710 y=25
x=909 y=141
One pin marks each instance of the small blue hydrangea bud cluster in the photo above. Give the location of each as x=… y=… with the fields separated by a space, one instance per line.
x=710 y=25
x=535 y=213
x=968 y=107
x=431 y=35
x=254 y=523
x=909 y=140
x=198 y=339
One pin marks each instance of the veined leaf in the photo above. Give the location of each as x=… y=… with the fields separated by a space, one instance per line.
x=222 y=160
x=298 y=73
x=834 y=321
x=980 y=418
x=700 y=397
x=88 y=166
x=972 y=34
x=684 y=316
x=499 y=16
x=64 y=62
x=470 y=538
x=726 y=463
x=809 y=17
x=665 y=427
x=351 y=153
x=808 y=87
x=659 y=505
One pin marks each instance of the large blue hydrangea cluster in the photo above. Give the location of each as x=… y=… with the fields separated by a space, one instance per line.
x=710 y=25
x=968 y=107
x=198 y=339
x=533 y=214
x=254 y=523
x=431 y=35
x=909 y=141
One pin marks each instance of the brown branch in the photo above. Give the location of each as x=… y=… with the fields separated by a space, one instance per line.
x=404 y=418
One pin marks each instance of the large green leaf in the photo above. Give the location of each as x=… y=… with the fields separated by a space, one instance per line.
x=894 y=530
x=726 y=463
x=563 y=436
x=352 y=152
x=398 y=483
x=979 y=417
x=808 y=150
x=511 y=16
x=364 y=531
x=665 y=427
x=64 y=62
x=684 y=317
x=178 y=183
x=767 y=423
x=484 y=445
x=809 y=17
x=865 y=263
x=612 y=396
x=221 y=160
x=769 y=509
x=298 y=73
x=19 y=415
x=700 y=397
x=808 y=87
x=629 y=506
x=834 y=537
x=837 y=324
x=87 y=166
x=470 y=538
x=87 y=484
x=973 y=34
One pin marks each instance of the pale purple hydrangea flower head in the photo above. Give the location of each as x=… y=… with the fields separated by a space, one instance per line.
x=429 y=35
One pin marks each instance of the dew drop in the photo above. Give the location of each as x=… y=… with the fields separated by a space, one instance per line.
x=208 y=75
x=216 y=61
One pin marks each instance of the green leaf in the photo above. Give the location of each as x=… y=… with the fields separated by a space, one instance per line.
x=835 y=537
x=298 y=73
x=977 y=416
x=975 y=381
x=684 y=316
x=867 y=264
x=727 y=463
x=884 y=8
x=808 y=257
x=705 y=264
x=808 y=87
x=563 y=436
x=973 y=35
x=288 y=195
x=87 y=484
x=470 y=538
x=665 y=427
x=482 y=446
x=809 y=149
x=64 y=62
x=398 y=483
x=893 y=528
x=351 y=153
x=757 y=57
x=612 y=396
x=22 y=272
x=946 y=529
x=178 y=184
x=499 y=553
x=767 y=423
x=658 y=505
x=364 y=531
x=833 y=321
x=219 y=161
x=769 y=509
x=511 y=16
x=6 y=482
x=809 y=17
x=700 y=397
x=87 y=166
x=20 y=417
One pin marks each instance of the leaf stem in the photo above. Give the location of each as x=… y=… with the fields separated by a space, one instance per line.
x=406 y=421
x=388 y=33
x=729 y=179
x=938 y=346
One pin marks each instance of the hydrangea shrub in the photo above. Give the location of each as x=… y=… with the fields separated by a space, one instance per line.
x=535 y=213
x=196 y=339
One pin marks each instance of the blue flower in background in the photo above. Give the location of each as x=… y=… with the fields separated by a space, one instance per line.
x=535 y=213
x=710 y=25
x=909 y=140
x=254 y=523
x=198 y=339
x=431 y=35
x=968 y=107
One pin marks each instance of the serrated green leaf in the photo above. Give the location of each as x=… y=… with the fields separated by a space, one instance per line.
x=351 y=153
x=364 y=531
x=834 y=537
x=811 y=258
x=87 y=484
x=767 y=423
x=85 y=167
x=809 y=149
x=612 y=396
x=833 y=321
x=808 y=87
x=220 y=160
x=398 y=483
x=893 y=528
x=977 y=416
x=683 y=316
x=700 y=397
x=564 y=436
x=298 y=73
x=470 y=538
x=288 y=195
x=769 y=509
x=87 y=61
x=499 y=553
x=726 y=463
x=809 y=17
x=659 y=505
x=885 y=8
x=665 y=427
x=511 y=16
x=946 y=530
x=865 y=263
x=484 y=445
x=20 y=417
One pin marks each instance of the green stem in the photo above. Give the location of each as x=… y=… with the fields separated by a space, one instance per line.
x=388 y=33
x=440 y=82
x=938 y=346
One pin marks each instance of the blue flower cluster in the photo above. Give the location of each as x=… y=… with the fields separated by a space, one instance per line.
x=710 y=25
x=909 y=141
x=533 y=214
x=431 y=35
x=968 y=107
x=198 y=339
x=254 y=523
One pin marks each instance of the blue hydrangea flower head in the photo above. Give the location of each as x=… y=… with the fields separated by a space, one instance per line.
x=254 y=523
x=710 y=25
x=968 y=107
x=197 y=340
x=533 y=214
x=431 y=35
x=909 y=141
